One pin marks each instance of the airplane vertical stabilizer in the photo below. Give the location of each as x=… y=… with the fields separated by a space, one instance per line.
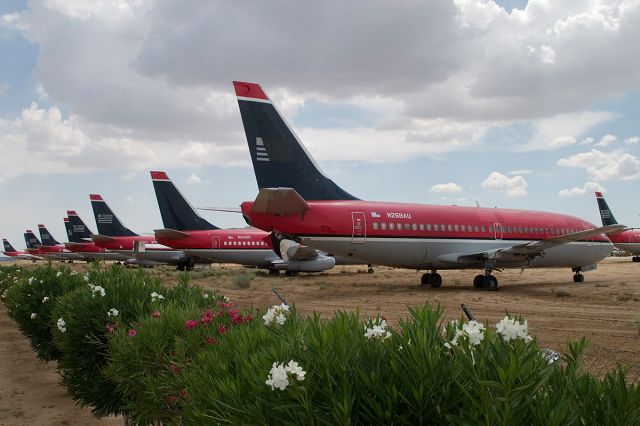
x=108 y=223
x=31 y=240
x=8 y=248
x=78 y=228
x=605 y=213
x=279 y=159
x=47 y=238
x=175 y=210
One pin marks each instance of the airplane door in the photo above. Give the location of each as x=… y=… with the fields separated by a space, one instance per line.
x=498 y=231
x=359 y=230
x=215 y=243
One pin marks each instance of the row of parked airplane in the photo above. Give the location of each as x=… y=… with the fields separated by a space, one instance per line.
x=303 y=221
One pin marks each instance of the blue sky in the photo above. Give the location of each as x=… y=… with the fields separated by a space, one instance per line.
x=519 y=104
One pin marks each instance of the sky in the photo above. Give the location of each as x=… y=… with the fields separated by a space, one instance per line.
x=515 y=104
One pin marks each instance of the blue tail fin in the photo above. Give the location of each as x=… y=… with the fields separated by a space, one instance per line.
x=605 y=213
x=175 y=210
x=108 y=222
x=8 y=248
x=47 y=239
x=79 y=230
x=279 y=158
x=31 y=240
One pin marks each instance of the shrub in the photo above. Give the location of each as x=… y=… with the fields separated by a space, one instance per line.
x=242 y=281
x=150 y=367
x=112 y=300
x=31 y=300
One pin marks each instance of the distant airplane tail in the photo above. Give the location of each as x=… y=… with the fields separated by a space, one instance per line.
x=108 y=223
x=79 y=231
x=279 y=158
x=175 y=210
x=605 y=213
x=8 y=248
x=31 y=240
x=47 y=239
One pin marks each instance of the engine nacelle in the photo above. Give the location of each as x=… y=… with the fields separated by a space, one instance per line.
x=320 y=264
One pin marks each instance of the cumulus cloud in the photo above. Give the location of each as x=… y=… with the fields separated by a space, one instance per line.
x=194 y=178
x=447 y=187
x=511 y=187
x=607 y=140
x=586 y=141
x=601 y=166
x=587 y=188
x=633 y=139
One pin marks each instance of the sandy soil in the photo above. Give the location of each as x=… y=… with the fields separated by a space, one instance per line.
x=604 y=309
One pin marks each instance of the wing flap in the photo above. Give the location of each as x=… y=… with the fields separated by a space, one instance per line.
x=279 y=201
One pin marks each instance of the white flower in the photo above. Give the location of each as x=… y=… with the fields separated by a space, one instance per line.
x=86 y=277
x=376 y=330
x=205 y=295
x=474 y=331
x=62 y=326
x=31 y=279
x=277 y=314
x=59 y=273
x=113 y=312
x=156 y=296
x=279 y=375
x=33 y=315
x=226 y=299
x=45 y=299
x=511 y=329
x=96 y=289
x=74 y=273
x=41 y=281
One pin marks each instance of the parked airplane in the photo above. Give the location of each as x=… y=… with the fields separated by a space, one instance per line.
x=141 y=250
x=21 y=255
x=627 y=239
x=80 y=240
x=184 y=229
x=53 y=250
x=297 y=199
x=32 y=242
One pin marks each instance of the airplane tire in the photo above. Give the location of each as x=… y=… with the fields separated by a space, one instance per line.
x=290 y=273
x=370 y=270
x=435 y=280
x=477 y=281
x=578 y=278
x=274 y=272
x=425 y=279
x=490 y=283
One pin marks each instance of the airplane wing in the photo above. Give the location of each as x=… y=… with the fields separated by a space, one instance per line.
x=279 y=201
x=171 y=234
x=523 y=253
x=97 y=238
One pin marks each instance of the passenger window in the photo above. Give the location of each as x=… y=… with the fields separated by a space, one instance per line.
x=422 y=226
x=436 y=227
x=392 y=226
x=375 y=226
x=464 y=228
x=477 y=228
x=483 y=228
x=399 y=227
x=456 y=227
x=407 y=226
x=428 y=227
x=490 y=228
x=414 y=226
x=449 y=228
x=383 y=225
x=508 y=229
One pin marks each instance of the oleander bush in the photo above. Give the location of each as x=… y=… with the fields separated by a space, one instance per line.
x=30 y=303
x=112 y=299
x=9 y=275
x=149 y=366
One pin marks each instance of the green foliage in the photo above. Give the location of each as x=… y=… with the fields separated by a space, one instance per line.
x=242 y=281
x=88 y=323
x=30 y=303
x=150 y=367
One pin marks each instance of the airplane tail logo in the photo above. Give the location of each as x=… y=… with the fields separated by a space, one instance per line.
x=279 y=159
x=605 y=213
x=108 y=223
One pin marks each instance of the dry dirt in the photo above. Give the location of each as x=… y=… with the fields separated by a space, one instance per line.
x=605 y=309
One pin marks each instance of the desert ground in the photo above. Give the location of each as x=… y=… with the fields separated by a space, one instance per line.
x=605 y=309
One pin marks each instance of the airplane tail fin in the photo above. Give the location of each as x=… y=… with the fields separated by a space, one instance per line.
x=108 y=223
x=81 y=233
x=605 y=213
x=8 y=248
x=279 y=158
x=47 y=239
x=31 y=240
x=175 y=210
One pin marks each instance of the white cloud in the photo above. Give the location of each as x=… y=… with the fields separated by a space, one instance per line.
x=563 y=141
x=520 y=172
x=447 y=187
x=633 y=139
x=606 y=140
x=601 y=166
x=586 y=141
x=547 y=54
x=512 y=187
x=194 y=178
x=587 y=188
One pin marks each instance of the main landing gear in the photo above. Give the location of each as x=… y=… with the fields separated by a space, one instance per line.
x=486 y=281
x=577 y=276
x=432 y=278
x=635 y=259
x=370 y=270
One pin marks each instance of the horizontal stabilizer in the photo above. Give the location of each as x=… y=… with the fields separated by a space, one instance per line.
x=222 y=209
x=97 y=238
x=170 y=234
x=279 y=201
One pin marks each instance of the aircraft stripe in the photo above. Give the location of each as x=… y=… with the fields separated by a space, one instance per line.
x=264 y=101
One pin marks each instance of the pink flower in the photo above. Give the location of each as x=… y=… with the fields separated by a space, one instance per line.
x=171 y=399
x=155 y=314
x=247 y=318
x=131 y=332
x=184 y=394
x=191 y=324
x=175 y=369
x=211 y=340
x=222 y=329
x=109 y=328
